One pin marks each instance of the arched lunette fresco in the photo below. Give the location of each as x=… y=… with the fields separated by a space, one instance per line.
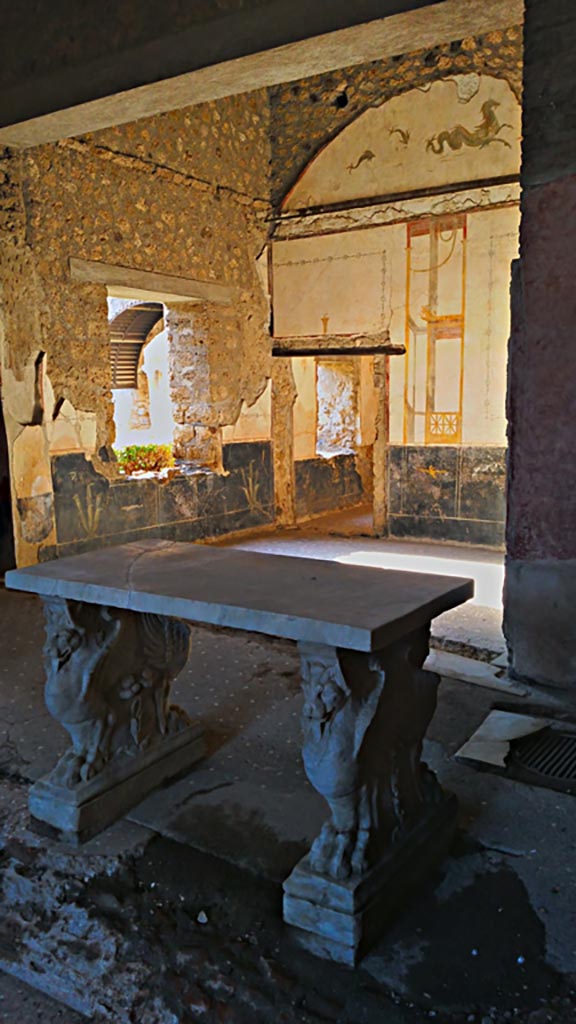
x=455 y=131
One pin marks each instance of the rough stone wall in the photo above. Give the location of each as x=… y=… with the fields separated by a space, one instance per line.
x=216 y=158
x=307 y=114
x=183 y=194
x=173 y=194
x=195 y=437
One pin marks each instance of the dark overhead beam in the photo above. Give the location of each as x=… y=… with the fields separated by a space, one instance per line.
x=211 y=38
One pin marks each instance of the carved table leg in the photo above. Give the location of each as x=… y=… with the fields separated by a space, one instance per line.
x=364 y=719
x=108 y=677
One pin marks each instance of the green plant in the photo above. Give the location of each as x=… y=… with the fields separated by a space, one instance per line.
x=146 y=457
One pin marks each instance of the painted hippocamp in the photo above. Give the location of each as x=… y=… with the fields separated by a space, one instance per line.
x=483 y=135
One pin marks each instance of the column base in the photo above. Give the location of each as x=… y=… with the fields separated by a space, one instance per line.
x=78 y=813
x=340 y=921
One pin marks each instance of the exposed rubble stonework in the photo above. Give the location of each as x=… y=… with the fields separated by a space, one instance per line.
x=128 y=197
x=185 y=193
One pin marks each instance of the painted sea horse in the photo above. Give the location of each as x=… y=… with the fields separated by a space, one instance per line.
x=484 y=133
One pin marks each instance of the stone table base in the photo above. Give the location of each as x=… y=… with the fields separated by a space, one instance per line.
x=363 y=721
x=341 y=920
x=108 y=678
x=79 y=813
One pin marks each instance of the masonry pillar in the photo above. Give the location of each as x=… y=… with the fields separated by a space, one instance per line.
x=380 y=454
x=540 y=587
x=283 y=398
x=196 y=437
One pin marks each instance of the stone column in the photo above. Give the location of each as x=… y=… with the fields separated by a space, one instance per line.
x=380 y=463
x=540 y=588
x=196 y=437
x=283 y=397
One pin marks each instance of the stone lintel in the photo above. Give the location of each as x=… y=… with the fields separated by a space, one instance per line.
x=127 y=282
x=337 y=345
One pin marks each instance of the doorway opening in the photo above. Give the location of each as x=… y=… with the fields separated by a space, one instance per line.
x=143 y=414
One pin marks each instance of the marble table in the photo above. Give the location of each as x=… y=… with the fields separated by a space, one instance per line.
x=117 y=636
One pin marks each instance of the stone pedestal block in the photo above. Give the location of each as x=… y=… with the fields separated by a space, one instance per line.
x=108 y=678
x=341 y=920
x=539 y=599
x=81 y=812
x=364 y=720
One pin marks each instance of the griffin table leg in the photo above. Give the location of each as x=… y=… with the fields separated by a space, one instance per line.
x=364 y=720
x=108 y=677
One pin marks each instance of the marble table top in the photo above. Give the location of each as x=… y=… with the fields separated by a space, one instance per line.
x=305 y=599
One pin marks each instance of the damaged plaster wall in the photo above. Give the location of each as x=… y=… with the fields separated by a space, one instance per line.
x=185 y=193
x=338 y=406
x=254 y=421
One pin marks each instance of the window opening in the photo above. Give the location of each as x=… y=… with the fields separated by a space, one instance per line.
x=143 y=414
x=128 y=332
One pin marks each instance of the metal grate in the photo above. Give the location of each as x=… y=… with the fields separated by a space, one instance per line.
x=125 y=356
x=548 y=757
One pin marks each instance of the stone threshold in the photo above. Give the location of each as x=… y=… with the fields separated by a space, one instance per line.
x=475 y=671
